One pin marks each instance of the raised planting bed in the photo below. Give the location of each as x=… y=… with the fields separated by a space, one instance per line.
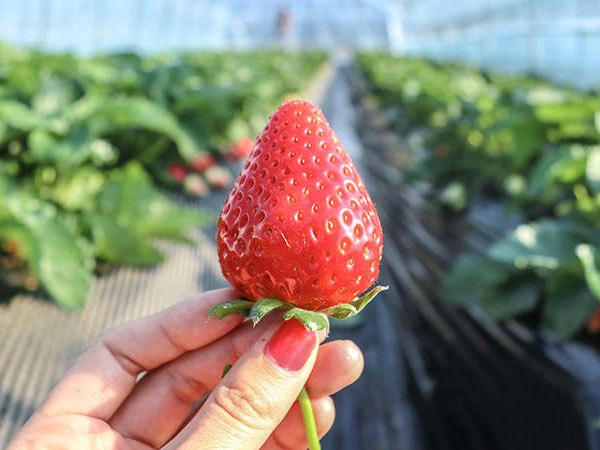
x=502 y=368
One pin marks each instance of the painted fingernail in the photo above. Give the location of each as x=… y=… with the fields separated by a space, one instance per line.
x=291 y=345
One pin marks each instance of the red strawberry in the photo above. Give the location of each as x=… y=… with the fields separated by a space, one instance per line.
x=441 y=150
x=202 y=162
x=241 y=150
x=177 y=172
x=299 y=224
x=593 y=323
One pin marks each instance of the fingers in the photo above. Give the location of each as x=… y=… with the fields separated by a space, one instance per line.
x=163 y=399
x=254 y=397
x=291 y=433
x=338 y=365
x=103 y=377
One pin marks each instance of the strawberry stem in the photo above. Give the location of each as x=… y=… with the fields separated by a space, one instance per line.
x=309 y=420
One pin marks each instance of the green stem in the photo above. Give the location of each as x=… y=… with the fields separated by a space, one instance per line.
x=309 y=420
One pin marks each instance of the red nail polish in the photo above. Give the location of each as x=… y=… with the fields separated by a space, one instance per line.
x=291 y=345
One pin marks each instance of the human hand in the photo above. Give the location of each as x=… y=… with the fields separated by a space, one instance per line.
x=100 y=403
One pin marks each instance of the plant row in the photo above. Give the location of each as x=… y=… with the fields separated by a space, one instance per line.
x=525 y=142
x=86 y=146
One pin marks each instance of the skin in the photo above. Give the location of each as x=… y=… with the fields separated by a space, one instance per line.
x=99 y=404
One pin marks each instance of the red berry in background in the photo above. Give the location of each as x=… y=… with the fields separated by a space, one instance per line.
x=241 y=150
x=593 y=323
x=195 y=185
x=299 y=224
x=177 y=172
x=218 y=177
x=441 y=150
x=202 y=162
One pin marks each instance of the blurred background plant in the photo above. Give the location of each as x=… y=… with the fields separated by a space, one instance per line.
x=519 y=140
x=86 y=143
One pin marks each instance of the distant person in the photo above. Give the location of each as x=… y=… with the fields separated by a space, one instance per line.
x=285 y=24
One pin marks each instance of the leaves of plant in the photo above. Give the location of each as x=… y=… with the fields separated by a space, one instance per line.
x=232 y=307
x=125 y=113
x=21 y=117
x=592 y=170
x=264 y=306
x=340 y=311
x=119 y=245
x=589 y=260
x=471 y=276
x=59 y=262
x=130 y=198
x=510 y=300
x=545 y=245
x=567 y=307
x=77 y=190
x=362 y=301
x=52 y=249
x=46 y=148
x=312 y=320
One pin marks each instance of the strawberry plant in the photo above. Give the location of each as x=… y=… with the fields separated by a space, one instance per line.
x=83 y=142
x=525 y=141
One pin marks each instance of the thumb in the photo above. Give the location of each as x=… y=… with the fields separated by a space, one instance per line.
x=248 y=404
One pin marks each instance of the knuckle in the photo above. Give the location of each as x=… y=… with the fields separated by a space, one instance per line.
x=246 y=405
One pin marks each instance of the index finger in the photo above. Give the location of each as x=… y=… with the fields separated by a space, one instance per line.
x=106 y=373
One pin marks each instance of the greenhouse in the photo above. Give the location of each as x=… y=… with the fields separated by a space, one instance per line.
x=349 y=224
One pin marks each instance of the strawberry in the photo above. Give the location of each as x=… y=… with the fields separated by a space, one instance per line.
x=441 y=150
x=202 y=162
x=195 y=185
x=218 y=177
x=299 y=225
x=177 y=172
x=241 y=150
x=593 y=323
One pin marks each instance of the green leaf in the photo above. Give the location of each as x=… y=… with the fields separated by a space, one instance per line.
x=577 y=110
x=44 y=147
x=568 y=306
x=361 y=302
x=587 y=255
x=61 y=263
x=545 y=245
x=54 y=96
x=11 y=230
x=54 y=251
x=592 y=170
x=340 y=311
x=264 y=306
x=503 y=303
x=232 y=307
x=117 y=244
x=77 y=190
x=226 y=369
x=564 y=165
x=20 y=116
x=130 y=198
x=124 y=113
x=454 y=195
x=312 y=320
x=471 y=275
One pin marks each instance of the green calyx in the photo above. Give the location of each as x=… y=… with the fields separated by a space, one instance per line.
x=312 y=320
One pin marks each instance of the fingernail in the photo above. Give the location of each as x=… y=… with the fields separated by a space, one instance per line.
x=291 y=345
